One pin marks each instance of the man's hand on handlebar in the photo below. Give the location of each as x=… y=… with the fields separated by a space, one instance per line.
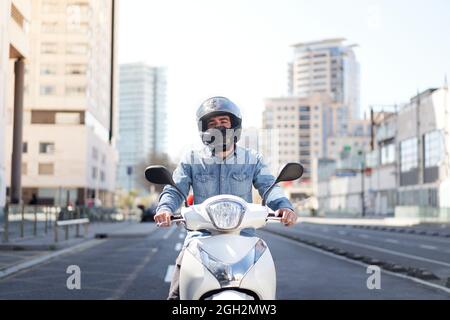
x=288 y=217
x=162 y=218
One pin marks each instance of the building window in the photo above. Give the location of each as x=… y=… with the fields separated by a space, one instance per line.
x=94 y=173
x=305 y=109
x=77 y=26
x=47 y=90
x=304 y=126
x=46 y=148
x=42 y=117
x=77 y=48
x=94 y=153
x=46 y=169
x=433 y=148
x=75 y=90
x=24 y=169
x=304 y=144
x=408 y=155
x=76 y=69
x=49 y=27
x=49 y=48
x=102 y=176
x=388 y=153
x=47 y=69
x=67 y=118
x=50 y=6
x=25 y=147
x=77 y=9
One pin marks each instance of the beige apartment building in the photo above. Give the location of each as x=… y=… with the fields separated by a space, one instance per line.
x=69 y=120
x=14 y=49
x=296 y=123
x=311 y=128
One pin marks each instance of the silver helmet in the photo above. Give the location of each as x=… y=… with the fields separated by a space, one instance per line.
x=217 y=106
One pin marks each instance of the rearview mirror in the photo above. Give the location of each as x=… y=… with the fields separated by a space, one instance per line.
x=160 y=175
x=292 y=171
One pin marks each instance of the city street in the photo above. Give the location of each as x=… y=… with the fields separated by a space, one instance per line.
x=138 y=267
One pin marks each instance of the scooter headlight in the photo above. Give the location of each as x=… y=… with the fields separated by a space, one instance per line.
x=226 y=215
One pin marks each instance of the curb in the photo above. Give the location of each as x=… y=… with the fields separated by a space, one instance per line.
x=86 y=243
x=417 y=273
x=30 y=263
x=421 y=232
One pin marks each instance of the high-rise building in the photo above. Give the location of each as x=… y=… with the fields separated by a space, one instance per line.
x=142 y=120
x=328 y=67
x=70 y=103
x=14 y=49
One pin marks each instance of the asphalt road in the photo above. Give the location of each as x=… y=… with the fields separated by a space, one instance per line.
x=409 y=250
x=137 y=268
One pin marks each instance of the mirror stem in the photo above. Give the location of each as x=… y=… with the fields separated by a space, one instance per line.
x=266 y=194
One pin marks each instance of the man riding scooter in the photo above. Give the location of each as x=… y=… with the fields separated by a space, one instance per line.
x=220 y=168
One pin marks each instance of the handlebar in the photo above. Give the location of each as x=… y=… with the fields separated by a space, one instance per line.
x=272 y=217
x=175 y=218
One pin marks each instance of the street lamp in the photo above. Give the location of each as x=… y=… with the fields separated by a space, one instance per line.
x=363 y=169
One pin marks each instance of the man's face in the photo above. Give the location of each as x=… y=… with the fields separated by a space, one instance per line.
x=219 y=121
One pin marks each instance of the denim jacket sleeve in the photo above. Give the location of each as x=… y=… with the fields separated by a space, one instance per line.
x=170 y=200
x=262 y=181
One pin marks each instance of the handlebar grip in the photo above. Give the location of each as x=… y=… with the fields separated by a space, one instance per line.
x=176 y=217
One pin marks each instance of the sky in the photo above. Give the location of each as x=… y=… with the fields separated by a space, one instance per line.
x=240 y=49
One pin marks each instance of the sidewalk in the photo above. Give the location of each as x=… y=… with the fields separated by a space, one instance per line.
x=19 y=254
x=408 y=225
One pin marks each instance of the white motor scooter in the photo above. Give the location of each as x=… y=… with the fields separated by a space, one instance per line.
x=226 y=265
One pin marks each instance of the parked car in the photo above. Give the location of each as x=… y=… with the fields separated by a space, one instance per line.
x=148 y=214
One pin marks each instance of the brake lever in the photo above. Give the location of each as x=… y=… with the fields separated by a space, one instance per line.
x=175 y=219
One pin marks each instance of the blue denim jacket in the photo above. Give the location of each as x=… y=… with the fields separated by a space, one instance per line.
x=210 y=176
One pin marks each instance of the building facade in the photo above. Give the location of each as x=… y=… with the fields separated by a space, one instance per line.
x=312 y=128
x=407 y=173
x=297 y=125
x=142 y=120
x=14 y=50
x=69 y=120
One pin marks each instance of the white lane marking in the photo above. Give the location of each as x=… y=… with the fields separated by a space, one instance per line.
x=399 y=275
x=380 y=249
x=407 y=235
x=178 y=246
x=125 y=285
x=364 y=236
x=391 y=240
x=41 y=259
x=169 y=273
x=424 y=246
x=169 y=233
x=182 y=236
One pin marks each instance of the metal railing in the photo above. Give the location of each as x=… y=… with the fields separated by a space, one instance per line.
x=19 y=219
x=27 y=221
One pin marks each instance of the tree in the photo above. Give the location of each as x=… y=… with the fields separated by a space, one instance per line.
x=153 y=159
